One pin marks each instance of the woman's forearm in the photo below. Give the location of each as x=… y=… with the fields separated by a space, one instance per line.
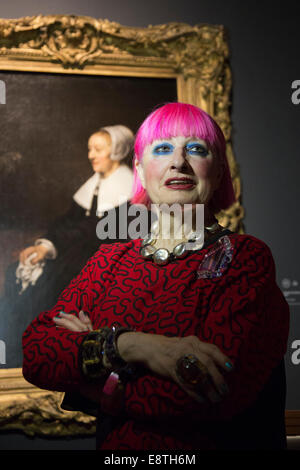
x=134 y=346
x=160 y=354
x=154 y=351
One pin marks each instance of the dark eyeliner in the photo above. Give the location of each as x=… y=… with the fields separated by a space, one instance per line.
x=156 y=149
x=203 y=151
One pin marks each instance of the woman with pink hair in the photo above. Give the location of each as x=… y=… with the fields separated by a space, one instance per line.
x=177 y=338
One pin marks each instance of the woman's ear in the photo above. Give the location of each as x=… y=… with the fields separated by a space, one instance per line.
x=140 y=171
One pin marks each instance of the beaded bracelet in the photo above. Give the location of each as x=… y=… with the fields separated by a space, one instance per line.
x=91 y=354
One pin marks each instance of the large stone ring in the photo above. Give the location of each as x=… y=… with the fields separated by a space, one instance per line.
x=191 y=371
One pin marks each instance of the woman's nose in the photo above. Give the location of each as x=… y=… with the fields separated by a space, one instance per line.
x=179 y=158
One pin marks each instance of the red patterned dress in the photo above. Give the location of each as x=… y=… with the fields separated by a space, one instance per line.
x=225 y=294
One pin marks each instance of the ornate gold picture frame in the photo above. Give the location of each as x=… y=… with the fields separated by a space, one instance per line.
x=196 y=56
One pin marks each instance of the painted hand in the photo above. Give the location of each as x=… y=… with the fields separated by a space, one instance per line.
x=73 y=323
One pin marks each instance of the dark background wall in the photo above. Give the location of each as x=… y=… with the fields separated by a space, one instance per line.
x=264 y=40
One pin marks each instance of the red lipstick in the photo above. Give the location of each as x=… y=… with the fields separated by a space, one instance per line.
x=180 y=183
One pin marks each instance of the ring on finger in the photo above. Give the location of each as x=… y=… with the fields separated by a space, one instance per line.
x=190 y=370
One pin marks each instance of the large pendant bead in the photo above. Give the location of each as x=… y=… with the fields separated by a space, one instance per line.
x=196 y=236
x=148 y=240
x=147 y=251
x=180 y=250
x=213 y=228
x=161 y=256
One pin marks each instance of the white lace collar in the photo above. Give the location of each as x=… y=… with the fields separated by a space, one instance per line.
x=113 y=190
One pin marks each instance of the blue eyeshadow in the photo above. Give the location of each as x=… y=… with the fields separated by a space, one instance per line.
x=202 y=150
x=168 y=150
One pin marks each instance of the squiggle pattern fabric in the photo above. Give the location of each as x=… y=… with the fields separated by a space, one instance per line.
x=243 y=312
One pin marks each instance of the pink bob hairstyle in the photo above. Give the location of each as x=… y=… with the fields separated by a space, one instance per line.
x=180 y=119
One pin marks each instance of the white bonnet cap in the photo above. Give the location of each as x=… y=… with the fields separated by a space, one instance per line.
x=122 y=140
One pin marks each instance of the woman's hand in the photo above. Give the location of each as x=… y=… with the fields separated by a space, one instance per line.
x=160 y=354
x=39 y=250
x=73 y=323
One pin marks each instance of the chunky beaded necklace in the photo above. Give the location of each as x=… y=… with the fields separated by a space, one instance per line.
x=162 y=256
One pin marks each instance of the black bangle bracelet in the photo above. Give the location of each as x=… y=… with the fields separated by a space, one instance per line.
x=91 y=354
x=111 y=349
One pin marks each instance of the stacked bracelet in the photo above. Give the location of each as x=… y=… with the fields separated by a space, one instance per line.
x=111 y=349
x=97 y=347
x=102 y=344
x=91 y=354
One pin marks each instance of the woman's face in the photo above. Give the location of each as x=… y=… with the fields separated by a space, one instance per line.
x=179 y=169
x=99 y=150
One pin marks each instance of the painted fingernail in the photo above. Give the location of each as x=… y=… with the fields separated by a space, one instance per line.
x=56 y=318
x=229 y=365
